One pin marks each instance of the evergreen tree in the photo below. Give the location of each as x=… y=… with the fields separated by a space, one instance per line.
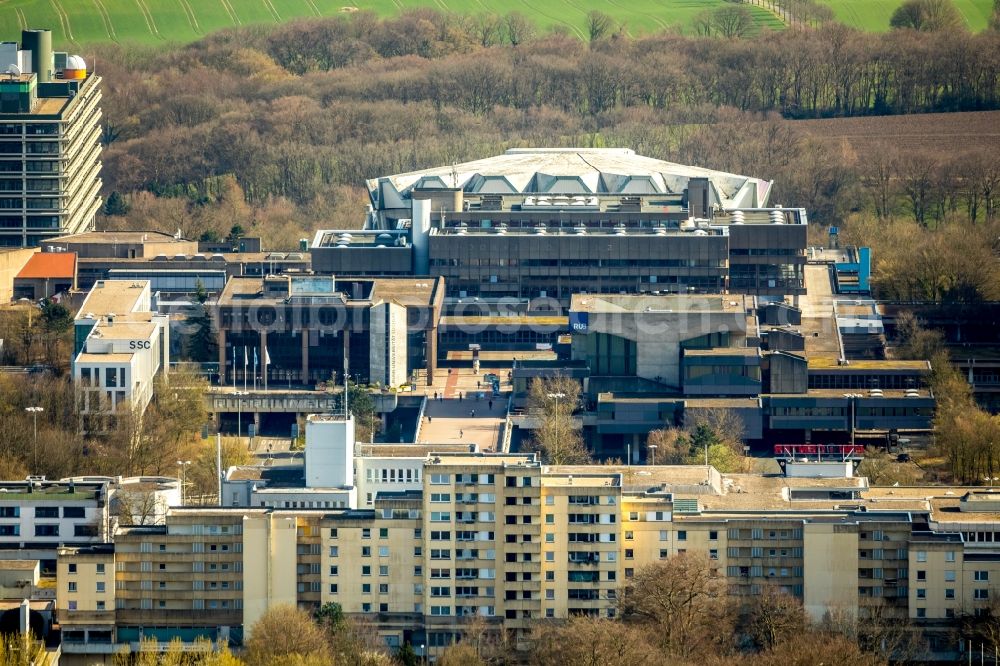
x=115 y=205
x=201 y=345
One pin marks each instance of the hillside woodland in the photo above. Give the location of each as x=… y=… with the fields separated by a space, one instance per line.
x=275 y=129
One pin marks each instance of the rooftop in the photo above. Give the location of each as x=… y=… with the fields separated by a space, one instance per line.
x=43 y=265
x=572 y=171
x=116 y=237
x=113 y=297
x=658 y=304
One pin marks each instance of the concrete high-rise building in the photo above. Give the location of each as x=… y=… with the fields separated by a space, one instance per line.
x=50 y=142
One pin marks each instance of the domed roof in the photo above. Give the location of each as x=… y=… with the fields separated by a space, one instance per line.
x=75 y=62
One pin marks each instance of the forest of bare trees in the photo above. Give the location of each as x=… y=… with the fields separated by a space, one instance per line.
x=277 y=127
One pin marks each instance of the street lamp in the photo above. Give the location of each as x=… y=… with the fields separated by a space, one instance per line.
x=182 y=464
x=652 y=453
x=34 y=449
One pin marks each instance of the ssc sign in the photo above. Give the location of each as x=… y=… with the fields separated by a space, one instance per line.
x=139 y=344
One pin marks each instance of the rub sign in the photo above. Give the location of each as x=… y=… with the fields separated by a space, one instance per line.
x=578 y=322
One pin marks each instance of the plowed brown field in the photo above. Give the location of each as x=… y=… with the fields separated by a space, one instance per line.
x=935 y=132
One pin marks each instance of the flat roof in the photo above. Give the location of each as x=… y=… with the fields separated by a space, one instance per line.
x=113 y=297
x=112 y=237
x=126 y=330
x=828 y=363
x=658 y=303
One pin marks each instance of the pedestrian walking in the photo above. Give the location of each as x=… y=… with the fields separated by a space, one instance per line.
x=491 y=404
x=461 y=434
x=472 y=413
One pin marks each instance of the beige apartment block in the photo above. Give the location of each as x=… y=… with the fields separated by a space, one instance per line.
x=511 y=542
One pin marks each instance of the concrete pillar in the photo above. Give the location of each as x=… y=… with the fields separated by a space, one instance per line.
x=305 y=354
x=220 y=341
x=431 y=360
x=260 y=358
x=347 y=353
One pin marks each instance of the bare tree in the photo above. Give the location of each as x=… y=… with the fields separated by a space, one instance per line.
x=732 y=21
x=518 y=28
x=672 y=446
x=586 y=641
x=283 y=633
x=558 y=436
x=928 y=16
x=599 y=25
x=774 y=617
x=488 y=29
x=685 y=598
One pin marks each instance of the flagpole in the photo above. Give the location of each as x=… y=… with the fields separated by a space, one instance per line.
x=255 y=367
x=234 y=368
x=267 y=362
x=246 y=363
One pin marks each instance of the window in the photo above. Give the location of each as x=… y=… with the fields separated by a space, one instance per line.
x=949 y=556
x=366 y=551
x=46 y=530
x=47 y=512
x=74 y=512
x=921 y=613
x=333 y=532
x=383 y=570
x=921 y=593
x=383 y=533
x=440 y=479
x=921 y=556
x=100 y=568
x=981 y=576
x=71 y=586
x=366 y=570
x=629 y=553
x=713 y=535
x=383 y=551
x=949 y=593
x=72 y=568
x=981 y=594
x=100 y=587
x=713 y=554
x=949 y=576
x=335 y=570
x=921 y=575
x=682 y=535
x=366 y=533
x=629 y=535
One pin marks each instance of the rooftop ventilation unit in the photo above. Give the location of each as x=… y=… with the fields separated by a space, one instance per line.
x=738 y=217
x=777 y=217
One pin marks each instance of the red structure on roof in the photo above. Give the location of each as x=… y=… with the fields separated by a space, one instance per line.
x=49 y=265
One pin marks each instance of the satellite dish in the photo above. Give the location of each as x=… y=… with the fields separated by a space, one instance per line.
x=14 y=70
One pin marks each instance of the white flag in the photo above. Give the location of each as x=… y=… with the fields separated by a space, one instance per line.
x=267 y=357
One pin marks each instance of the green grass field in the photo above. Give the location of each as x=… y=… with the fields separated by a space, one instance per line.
x=874 y=15
x=77 y=22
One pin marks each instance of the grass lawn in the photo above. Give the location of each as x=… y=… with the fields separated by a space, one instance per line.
x=77 y=22
x=874 y=15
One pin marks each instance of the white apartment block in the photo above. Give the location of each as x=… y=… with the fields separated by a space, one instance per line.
x=120 y=346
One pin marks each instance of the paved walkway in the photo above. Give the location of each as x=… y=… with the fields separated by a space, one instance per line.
x=449 y=418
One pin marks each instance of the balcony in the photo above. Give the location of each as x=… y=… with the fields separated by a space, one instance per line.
x=69 y=618
x=179 y=617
